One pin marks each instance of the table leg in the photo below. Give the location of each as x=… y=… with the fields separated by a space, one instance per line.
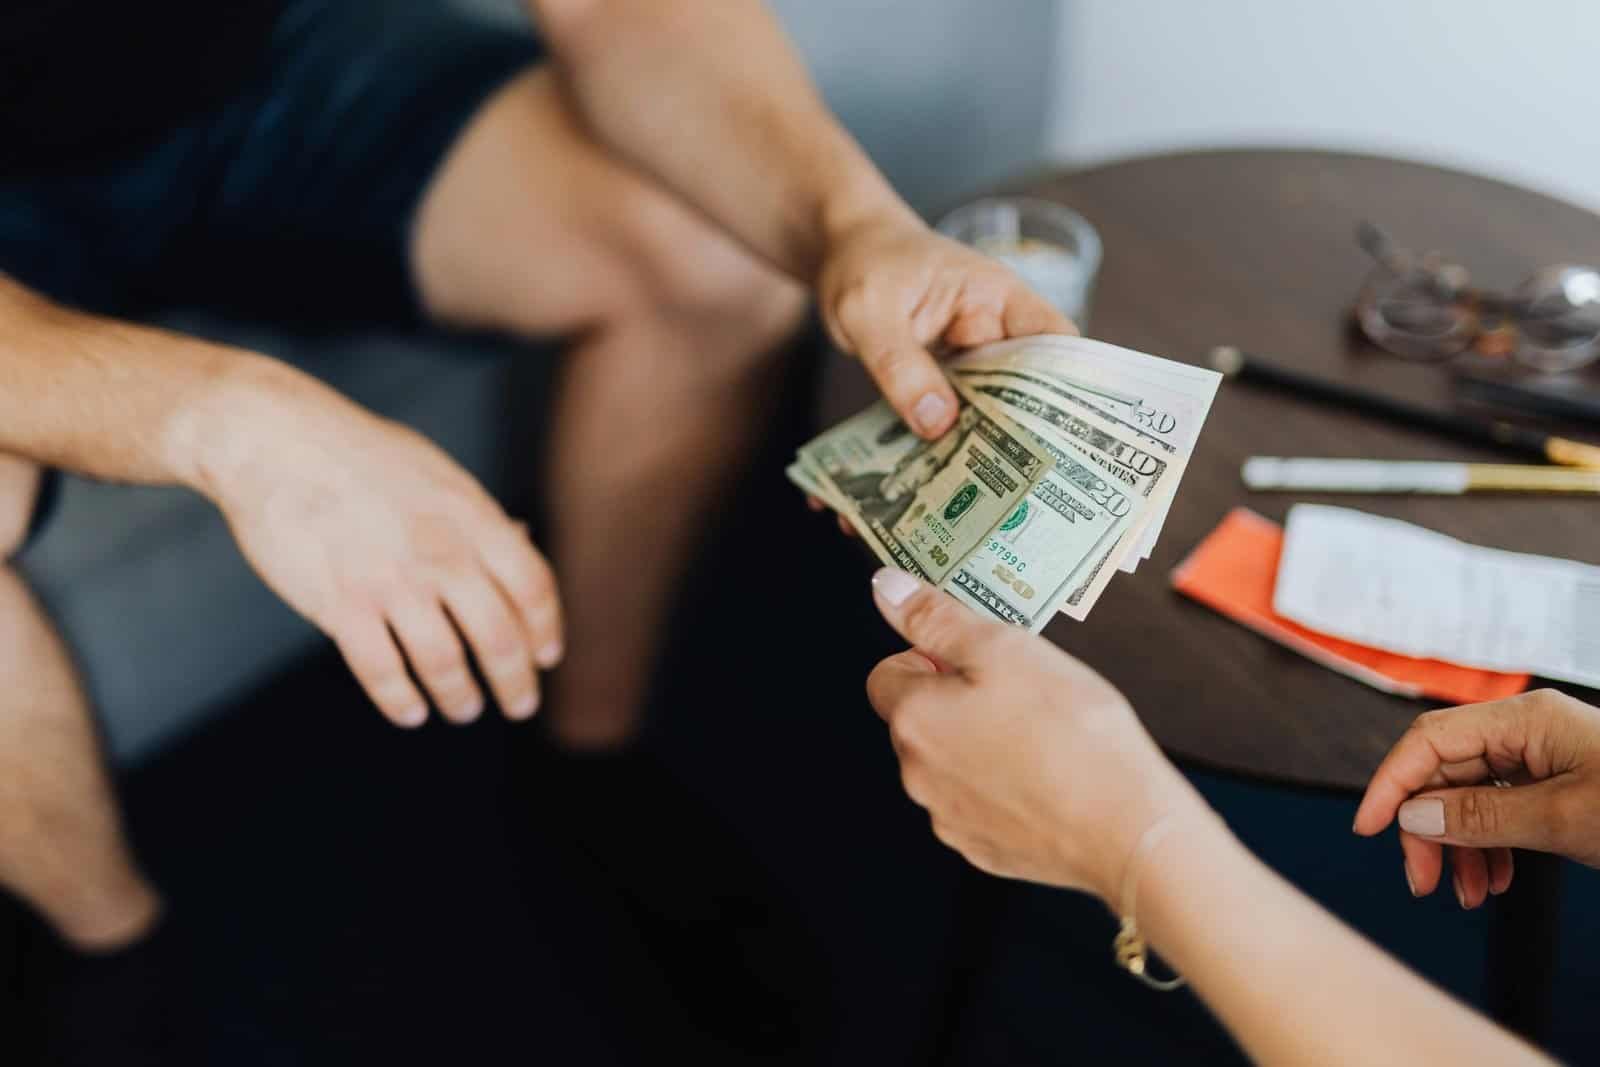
x=1522 y=946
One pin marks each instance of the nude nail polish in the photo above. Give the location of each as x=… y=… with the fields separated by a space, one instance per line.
x=1423 y=817
x=930 y=412
x=894 y=586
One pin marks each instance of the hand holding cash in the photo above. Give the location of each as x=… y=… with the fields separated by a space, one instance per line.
x=1058 y=472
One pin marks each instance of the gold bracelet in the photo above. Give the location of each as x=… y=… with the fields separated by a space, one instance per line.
x=1133 y=955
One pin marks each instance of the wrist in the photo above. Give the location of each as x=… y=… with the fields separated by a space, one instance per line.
x=1195 y=843
x=863 y=204
x=1173 y=802
x=231 y=419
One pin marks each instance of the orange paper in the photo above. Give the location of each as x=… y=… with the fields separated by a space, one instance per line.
x=1234 y=571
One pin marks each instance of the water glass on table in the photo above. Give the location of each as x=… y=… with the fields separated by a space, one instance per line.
x=1051 y=247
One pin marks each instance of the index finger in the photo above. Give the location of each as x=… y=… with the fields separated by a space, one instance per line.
x=1028 y=313
x=932 y=621
x=894 y=678
x=1436 y=738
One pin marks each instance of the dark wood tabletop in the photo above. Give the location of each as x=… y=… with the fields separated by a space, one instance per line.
x=1256 y=249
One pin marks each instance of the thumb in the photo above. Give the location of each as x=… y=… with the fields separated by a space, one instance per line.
x=1520 y=817
x=931 y=620
x=908 y=377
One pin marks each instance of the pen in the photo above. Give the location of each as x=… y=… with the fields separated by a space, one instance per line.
x=1404 y=476
x=1579 y=405
x=1237 y=365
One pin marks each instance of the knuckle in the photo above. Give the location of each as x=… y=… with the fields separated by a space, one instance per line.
x=504 y=649
x=875 y=694
x=442 y=665
x=905 y=732
x=912 y=783
x=1555 y=702
x=365 y=662
x=1426 y=719
x=365 y=593
x=544 y=618
x=929 y=618
x=508 y=675
x=436 y=542
x=896 y=366
x=852 y=301
x=1478 y=814
x=533 y=585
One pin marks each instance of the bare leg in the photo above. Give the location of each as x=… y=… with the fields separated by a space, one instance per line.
x=19 y=485
x=62 y=847
x=531 y=228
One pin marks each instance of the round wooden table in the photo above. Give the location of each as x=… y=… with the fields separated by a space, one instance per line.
x=1256 y=249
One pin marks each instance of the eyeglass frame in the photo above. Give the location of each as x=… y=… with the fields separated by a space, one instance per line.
x=1489 y=323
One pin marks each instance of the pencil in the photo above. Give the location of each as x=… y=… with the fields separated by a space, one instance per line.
x=1405 y=476
x=1236 y=365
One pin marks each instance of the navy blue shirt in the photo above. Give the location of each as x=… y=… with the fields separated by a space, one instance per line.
x=86 y=80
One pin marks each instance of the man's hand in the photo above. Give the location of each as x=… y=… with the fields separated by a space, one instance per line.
x=712 y=101
x=890 y=288
x=1438 y=781
x=380 y=539
x=1031 y=764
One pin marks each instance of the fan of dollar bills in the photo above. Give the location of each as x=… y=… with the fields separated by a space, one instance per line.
x=1058 y=473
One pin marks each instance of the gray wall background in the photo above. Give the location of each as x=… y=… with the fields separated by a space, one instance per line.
x=946 y=95
x=1503 y=89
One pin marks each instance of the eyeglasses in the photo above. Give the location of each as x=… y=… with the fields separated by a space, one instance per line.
x=1424 y=308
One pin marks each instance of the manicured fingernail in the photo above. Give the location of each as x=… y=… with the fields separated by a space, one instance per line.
x=930 y=412
x=549 y=655
x=1461 y=898
x=1423 y=817
x=894 y=586
x=1409 y=883
x=415 y=715
x=524 y=708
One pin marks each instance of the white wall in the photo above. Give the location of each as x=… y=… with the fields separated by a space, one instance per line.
x=1508 y=89
x=949 y=96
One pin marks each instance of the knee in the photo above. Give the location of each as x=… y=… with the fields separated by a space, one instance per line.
x=738 y=307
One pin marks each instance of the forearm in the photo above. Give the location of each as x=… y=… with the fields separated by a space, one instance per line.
x=1291 y=983
x=712 y=100
x=118 y=401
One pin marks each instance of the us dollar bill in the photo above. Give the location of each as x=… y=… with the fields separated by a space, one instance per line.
x=1138 y=464
x=1063 y=462
x=1072 y=517
x=1163 y=398
x=925 y=506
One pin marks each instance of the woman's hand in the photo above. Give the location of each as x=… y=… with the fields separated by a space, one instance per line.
x=1439 y=780
x=1031 y=764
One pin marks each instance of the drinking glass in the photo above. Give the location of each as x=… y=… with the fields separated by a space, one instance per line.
x=1050 y=246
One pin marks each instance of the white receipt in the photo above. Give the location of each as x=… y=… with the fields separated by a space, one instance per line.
x=1391 y=585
